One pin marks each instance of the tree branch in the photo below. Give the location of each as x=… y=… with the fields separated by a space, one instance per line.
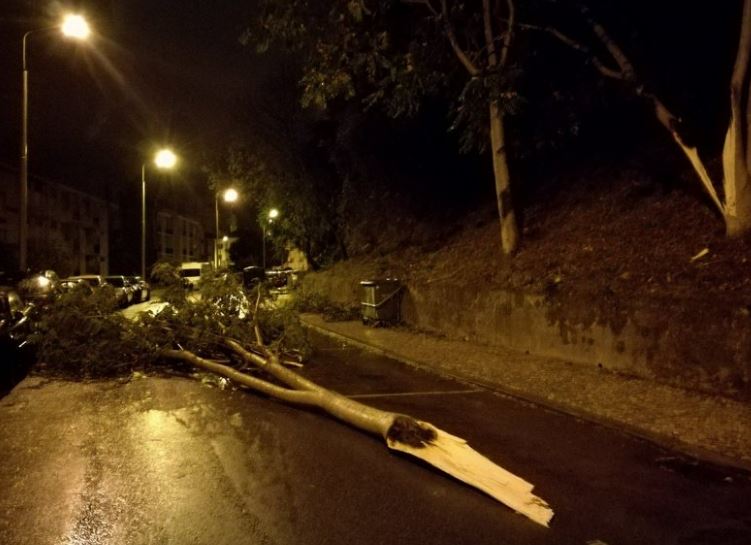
x=509 y=34
x=305 y=397
x=577 y=46
x=627 y=73
x=627 y=69
x=487 y=28
x=460 y=53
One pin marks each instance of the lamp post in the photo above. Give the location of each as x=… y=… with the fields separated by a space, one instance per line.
x=229 y=196
x=164 y=159
x=273 y=214
x=75 y=27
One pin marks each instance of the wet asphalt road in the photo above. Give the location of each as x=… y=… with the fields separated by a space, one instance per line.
x=174 y=461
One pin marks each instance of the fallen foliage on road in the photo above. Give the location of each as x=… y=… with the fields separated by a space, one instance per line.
x=244 y=336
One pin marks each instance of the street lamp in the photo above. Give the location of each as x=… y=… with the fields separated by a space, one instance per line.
x=272 y=215
x=165 y=159
x=75 y=27
x=229 y=196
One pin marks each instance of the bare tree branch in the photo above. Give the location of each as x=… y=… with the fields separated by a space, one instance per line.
x=627 y=69
x=577 y=46
x=487 y=28
x=509 y=34
x=460 y=53
x=627 y=73
x=305 y=397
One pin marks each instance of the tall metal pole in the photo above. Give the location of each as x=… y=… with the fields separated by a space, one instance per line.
x=23 y=211
x=263 y=246
x=143 y=221
x=216 y=233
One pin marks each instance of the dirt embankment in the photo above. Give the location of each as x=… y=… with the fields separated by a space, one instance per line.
x=610 y=253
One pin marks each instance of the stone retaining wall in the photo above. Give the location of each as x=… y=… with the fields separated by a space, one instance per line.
x=690 y=344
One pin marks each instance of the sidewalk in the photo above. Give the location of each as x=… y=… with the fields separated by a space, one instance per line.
x=708 y=427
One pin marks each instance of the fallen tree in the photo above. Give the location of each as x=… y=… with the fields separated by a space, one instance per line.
x=221 y=332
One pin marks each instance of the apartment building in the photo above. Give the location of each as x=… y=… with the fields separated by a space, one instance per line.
x=179 y=237
x=66 y=225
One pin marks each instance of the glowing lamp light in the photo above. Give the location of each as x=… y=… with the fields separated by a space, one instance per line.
x=165 y=159
x=43 y=281
x=225 y=238
x=76 y=27
x=230 y=195
x=273 y=213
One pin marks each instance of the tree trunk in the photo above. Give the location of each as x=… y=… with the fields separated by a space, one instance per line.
x=737 y=149
x=506 y=214
x=401 y=432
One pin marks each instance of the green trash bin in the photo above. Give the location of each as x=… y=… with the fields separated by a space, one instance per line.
x=381 y=301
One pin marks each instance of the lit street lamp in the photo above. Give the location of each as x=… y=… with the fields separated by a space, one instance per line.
x=229 y=196
x=273 y=214
x=164 y=159
x=75 y=27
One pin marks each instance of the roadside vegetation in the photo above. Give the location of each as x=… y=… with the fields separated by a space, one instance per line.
x=244 y=336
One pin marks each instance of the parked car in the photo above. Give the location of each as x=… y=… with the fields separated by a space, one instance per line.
x=123 y=289
x=278 y=277
x=76 y=284
x=141 y=288
x=93 y=280
x=253 y=275
x=191 y=272
x=40 y=288
x=14 y=318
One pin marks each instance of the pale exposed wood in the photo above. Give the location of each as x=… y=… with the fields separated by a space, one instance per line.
x=454 y=456
x=670 y=122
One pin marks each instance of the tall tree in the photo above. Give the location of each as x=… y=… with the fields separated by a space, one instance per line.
x=395 y=53
x=276 y=162
x=731 y=194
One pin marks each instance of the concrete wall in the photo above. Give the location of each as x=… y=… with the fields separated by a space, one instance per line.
x=688 y=343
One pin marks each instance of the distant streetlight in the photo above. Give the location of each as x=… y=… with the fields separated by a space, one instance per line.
x=75 y=27
x=165 y=159
x=272 y=215
x=229 y=196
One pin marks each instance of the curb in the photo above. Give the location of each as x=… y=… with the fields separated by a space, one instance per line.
x=664 y=441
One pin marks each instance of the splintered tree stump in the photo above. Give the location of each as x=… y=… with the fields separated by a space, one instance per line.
x=454 y=456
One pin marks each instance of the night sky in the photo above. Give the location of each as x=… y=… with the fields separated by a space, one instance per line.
x=174 y=71
x=156 y=72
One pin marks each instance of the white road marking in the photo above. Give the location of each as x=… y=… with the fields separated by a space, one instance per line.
x=408 y=394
